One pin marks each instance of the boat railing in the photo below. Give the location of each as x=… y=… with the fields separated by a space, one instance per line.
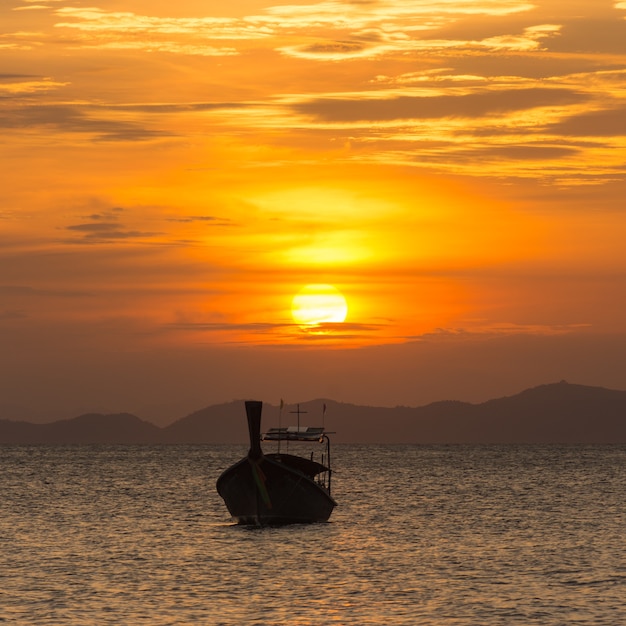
x=306 y=434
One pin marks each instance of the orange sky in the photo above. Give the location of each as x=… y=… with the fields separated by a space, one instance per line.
x=173 y=173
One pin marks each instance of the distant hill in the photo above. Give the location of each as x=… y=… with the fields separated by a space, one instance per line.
x=121 y=428
x=222 y=423
x=553 y=413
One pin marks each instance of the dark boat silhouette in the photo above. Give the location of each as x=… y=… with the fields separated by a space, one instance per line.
x=278 y=488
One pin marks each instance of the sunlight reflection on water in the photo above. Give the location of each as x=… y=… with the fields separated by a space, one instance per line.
x=422 y=535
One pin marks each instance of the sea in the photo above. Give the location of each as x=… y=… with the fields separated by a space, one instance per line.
x=442 y=535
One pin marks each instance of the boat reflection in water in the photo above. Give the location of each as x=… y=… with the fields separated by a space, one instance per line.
x=278 y=488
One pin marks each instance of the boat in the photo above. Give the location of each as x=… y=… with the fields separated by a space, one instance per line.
x=279 y=488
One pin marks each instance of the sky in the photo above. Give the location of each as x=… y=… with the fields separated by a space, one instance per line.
x=174 y=174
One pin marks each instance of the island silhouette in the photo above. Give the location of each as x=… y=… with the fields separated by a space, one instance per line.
x=559 y=413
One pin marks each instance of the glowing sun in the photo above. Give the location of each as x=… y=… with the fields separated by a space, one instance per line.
x=318 y=304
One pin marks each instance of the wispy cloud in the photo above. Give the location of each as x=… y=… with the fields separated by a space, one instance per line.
x=28 y=291
x=107 y=227
x=487 y=87
x=472 y=105
x=603 y=123
x=71 y=118
x=126 y=30
x=336 y=29
x=389 y=41
x=20 y=85
x=286 y=334
x=32 y=7
x=209 y=220
x=359 y=14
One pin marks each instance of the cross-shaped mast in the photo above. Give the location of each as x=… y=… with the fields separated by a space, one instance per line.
x=298 y=411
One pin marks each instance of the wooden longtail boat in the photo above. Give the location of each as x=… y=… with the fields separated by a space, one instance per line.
x=278 y=488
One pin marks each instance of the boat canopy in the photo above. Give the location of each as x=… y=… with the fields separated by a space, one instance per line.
x=295 y=433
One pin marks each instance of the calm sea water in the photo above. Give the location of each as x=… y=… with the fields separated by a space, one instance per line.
x=422 y=535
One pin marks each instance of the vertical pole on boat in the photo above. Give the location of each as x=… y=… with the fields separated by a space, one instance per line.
x=280 y=415
x=324 y=415
x=330 y=471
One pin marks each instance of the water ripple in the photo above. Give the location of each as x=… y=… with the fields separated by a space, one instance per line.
x=443 y=535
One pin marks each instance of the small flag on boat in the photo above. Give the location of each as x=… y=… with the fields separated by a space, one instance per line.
x=324 y=409
x=281 y=403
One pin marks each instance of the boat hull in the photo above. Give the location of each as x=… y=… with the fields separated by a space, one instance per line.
x=265 y=491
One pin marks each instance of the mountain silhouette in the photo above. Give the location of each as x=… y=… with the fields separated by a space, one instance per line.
x=553 y=413
x=120 y=428
x=221 y=423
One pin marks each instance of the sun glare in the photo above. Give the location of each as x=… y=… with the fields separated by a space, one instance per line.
x=318 y=304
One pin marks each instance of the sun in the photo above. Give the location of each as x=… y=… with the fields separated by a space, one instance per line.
x=318 y=304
